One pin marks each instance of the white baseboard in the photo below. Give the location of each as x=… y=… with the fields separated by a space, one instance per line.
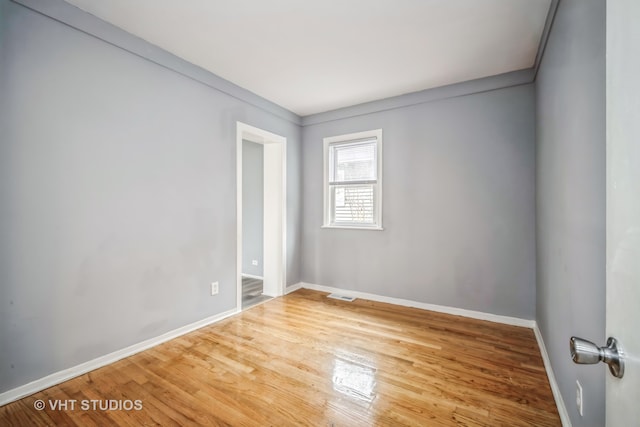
x=292 y=288
x=562 y=409
x=83 y=368
x=251 y=276
x=515 y=321
x=67 y=374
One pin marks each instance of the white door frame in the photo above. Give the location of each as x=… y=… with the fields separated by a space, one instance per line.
x=275 y=209
x=623 y=207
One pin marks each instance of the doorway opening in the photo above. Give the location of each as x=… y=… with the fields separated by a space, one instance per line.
x=261 y=215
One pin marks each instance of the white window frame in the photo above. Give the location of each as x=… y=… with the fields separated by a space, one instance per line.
x=377 y=212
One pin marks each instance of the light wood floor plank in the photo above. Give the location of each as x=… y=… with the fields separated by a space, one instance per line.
x=306 y=360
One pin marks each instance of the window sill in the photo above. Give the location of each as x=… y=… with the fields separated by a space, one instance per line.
x=352 y=227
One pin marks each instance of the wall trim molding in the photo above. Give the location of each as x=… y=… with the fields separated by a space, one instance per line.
x=514 y=321
x=555 y=389
x=81 y=369
x=469 y=87
x=292 y=288
x=553 y=8
x=76 y=18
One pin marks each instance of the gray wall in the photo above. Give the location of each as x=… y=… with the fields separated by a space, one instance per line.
x=252 y=207
x=458 y=208
x=116 y=175
x=117 y=197
x=571 y=199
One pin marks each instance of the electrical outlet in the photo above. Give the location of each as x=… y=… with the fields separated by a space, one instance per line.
x=579 y=397
x=254 y=262
x=214 y=288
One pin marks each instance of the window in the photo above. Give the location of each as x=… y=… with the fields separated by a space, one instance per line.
x=353 y=180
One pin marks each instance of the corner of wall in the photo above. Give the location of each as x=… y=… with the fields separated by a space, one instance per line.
x=555 y=389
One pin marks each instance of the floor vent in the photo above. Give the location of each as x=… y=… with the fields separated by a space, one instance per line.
x=341 y=297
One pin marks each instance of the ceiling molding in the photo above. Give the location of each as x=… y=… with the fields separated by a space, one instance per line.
x=545 y=35
x=514 y=78
x=316 y=56
x=76 y=18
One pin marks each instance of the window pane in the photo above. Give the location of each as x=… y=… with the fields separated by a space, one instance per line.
x=354 y=162
x=339 y=199
x=353 y=204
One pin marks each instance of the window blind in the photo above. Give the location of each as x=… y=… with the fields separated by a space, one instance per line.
x=353 y=175
x=354 y=161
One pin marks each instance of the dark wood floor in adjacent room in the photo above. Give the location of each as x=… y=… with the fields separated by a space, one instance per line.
x=307 y=360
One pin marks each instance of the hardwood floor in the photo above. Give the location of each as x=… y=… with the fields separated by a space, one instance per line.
x=308 y=360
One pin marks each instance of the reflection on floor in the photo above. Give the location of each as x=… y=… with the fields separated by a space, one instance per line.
x=252 y=292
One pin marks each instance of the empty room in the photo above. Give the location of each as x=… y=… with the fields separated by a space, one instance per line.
x=319 y=213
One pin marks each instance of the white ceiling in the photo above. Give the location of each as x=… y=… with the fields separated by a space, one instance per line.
x=315 y=56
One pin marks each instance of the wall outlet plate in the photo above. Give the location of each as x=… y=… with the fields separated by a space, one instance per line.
x=214 y=288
